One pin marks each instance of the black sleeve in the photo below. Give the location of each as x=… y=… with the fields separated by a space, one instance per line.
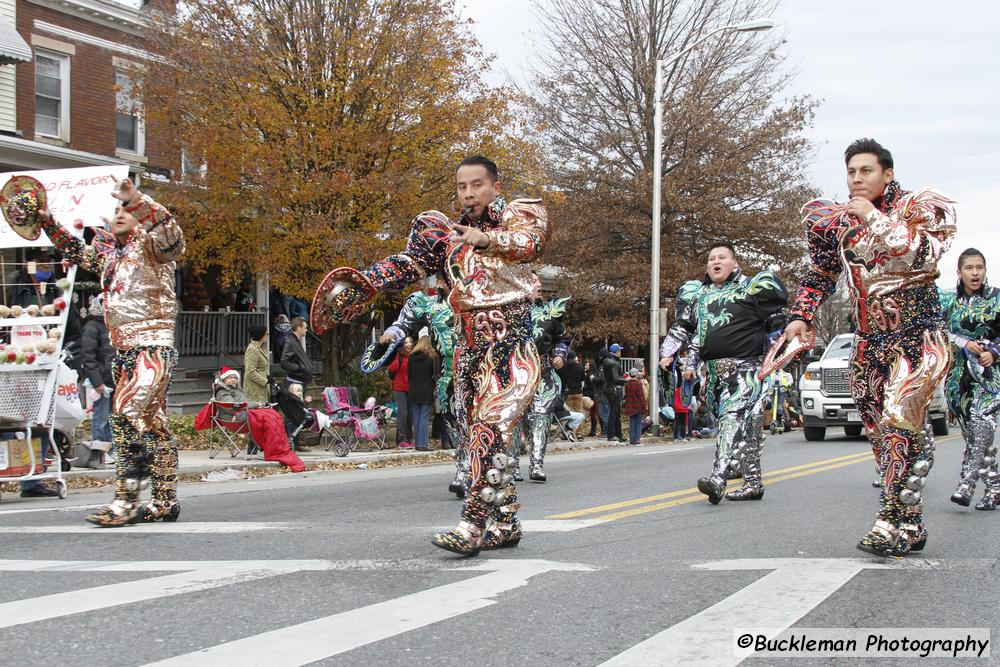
x=771 y=301
x=90 y=345
x=289 y=360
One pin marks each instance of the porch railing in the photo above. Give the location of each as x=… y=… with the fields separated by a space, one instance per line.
x=215 y=333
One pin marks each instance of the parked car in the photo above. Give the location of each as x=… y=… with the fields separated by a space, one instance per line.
x=825 y=395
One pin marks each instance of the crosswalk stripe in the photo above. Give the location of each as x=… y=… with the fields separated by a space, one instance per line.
x=193 y=527
x=346 y=631
x=776 y=600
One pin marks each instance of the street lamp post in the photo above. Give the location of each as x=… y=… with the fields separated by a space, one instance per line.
x=755 y=25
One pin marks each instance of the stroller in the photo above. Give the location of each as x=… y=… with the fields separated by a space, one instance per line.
x=350 y=424
x=297 y=416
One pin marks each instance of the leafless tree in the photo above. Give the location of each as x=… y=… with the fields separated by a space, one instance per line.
x=733 y=156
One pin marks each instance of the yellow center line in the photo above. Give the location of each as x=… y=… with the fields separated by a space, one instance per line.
x=853 y=458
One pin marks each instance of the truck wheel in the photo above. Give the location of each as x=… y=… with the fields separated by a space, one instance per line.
x=814 y=433
x=940 y=426
x=852 y=431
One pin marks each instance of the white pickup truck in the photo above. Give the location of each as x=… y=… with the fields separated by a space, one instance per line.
x=825 y=395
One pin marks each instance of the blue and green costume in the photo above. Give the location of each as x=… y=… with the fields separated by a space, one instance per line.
x=727 y=327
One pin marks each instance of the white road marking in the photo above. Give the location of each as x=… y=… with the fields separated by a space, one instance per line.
x=778 y=600
x=346 y=631
x=669 y=451
x=556 y=525
x=200 y=576
x=190 y=527
x=22 y=510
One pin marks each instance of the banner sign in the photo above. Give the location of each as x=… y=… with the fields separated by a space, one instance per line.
x=80 y=194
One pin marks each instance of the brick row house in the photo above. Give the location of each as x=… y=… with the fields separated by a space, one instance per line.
x=68 y=105
x=65 y=72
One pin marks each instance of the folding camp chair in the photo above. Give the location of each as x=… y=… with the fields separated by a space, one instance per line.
x=225 y=427
x=350 y=424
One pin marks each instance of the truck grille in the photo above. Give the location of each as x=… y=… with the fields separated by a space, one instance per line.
x=837 y=381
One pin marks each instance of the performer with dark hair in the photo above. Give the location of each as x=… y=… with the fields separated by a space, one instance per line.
x=972 y=315
x=888 y=242
x=549 y=333
x=484 y=260
x=727 y=318
x=136 y=262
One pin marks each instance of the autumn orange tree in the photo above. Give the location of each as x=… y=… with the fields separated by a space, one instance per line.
x=324 y=127
x=734 y=155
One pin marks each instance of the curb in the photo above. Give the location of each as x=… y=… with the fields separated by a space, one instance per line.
x=412 y=457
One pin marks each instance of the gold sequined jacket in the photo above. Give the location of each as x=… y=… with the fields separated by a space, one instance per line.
x=140 y=305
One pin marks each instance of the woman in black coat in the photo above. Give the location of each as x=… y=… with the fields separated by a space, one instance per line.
x=421 y=395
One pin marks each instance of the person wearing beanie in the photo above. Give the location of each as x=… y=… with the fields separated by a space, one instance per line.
x=137 y=262
x=614 y=382
x=256 y=365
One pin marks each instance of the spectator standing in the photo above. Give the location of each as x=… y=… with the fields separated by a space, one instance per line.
x=635 y=408
x=96 y=355
x=571 y=373
x=245 y=301
x=589 y=392
x=681 y=413
x=282 y=330
x=256 y=365
x=295 y=363
x=420 y=394
x=613 y=383
x=399 y=370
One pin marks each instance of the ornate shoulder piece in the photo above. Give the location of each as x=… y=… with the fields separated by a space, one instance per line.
x=822 y=214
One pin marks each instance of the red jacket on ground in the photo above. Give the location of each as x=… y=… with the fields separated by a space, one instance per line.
x=400 y=368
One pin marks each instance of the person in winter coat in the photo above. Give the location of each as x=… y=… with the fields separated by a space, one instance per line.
x=572 y=376
x=294 y=360
x=589 y=392
x=282 y=330
x=256 y=365
x=96 y=355
x=399 y=369
x=614 y=380
x=635 y=408
x=420 y=396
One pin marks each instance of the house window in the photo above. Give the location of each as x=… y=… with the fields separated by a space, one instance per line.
x=52 y=95
x=130 y=133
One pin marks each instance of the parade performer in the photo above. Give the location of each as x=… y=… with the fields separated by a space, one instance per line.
x=484 y=260
x=433 y=312
x=725 y=320
x=136 y=263
x=549 y=334
x=972 y=315
x=888 y=242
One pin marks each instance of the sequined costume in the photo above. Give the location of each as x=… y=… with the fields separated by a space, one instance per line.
x=497 y=366
x=900 y=349
x=727 y=327
x=549 y=334
x=418 y=311
x=973 y=392
x=140 y=309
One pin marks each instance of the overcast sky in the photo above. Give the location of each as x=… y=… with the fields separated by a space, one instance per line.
x=921 y=77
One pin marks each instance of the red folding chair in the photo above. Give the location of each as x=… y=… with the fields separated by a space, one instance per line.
x=225 y=429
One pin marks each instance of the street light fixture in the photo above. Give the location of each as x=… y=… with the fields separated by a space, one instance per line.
x=754 y=25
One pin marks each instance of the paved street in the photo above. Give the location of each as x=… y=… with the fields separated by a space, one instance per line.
x=623 y=563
